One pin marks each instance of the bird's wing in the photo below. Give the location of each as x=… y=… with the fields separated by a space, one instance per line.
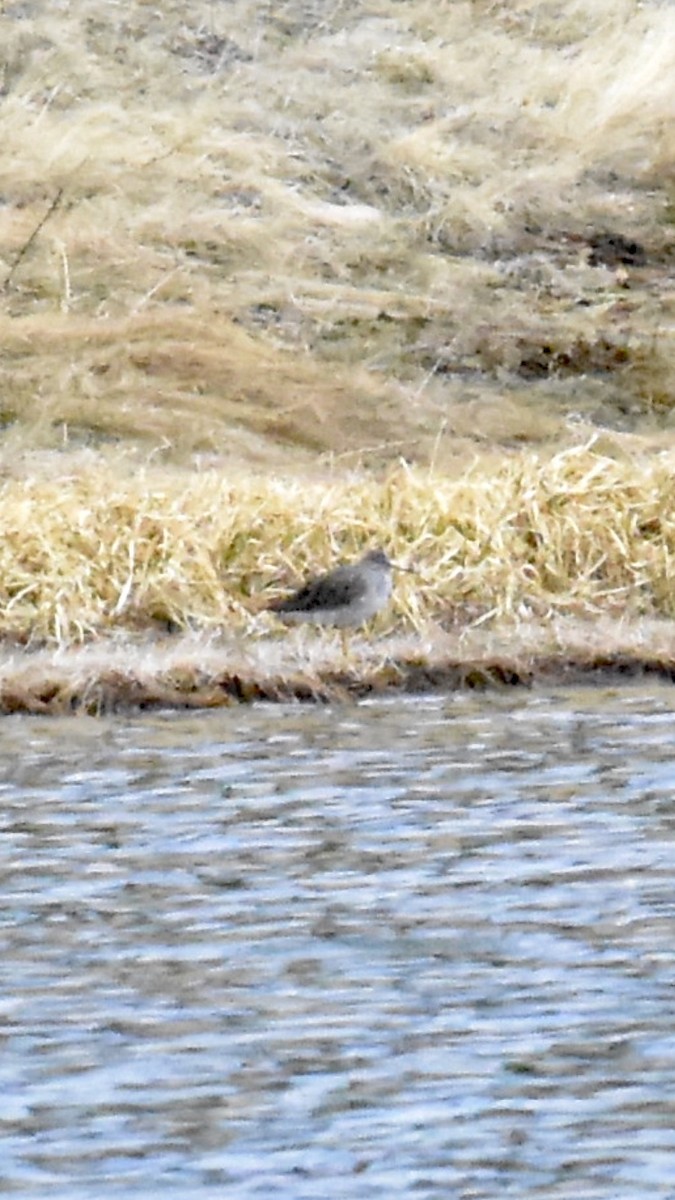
x=342 y=586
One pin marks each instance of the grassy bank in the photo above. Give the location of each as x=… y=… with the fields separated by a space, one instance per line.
x=96 y=552
x=279 y=283
x=217 y=672
x=361 y=230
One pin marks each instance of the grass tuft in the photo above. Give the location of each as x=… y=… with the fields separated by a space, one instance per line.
x=576 y=533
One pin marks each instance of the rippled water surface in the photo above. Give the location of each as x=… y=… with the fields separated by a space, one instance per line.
x=422 y=948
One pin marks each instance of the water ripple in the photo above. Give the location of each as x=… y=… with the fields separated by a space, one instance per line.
x=419 y=948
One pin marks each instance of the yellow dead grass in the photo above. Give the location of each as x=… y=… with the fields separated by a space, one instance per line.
x=314 y=228
x=280 y=283
x=576 y=533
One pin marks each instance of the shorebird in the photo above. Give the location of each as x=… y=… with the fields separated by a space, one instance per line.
x=347 y=596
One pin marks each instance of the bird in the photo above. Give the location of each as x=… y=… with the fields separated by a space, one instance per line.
x=346 y=597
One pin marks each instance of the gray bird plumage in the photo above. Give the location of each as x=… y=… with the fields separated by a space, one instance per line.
x=347 y=596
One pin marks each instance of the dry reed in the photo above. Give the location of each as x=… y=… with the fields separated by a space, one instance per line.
x=576 y=533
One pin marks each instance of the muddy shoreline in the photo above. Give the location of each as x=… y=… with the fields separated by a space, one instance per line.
x=185 y=673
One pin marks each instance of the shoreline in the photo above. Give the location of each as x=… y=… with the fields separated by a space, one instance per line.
x=191 y=672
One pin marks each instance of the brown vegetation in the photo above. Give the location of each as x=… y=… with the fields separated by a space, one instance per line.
x=578 y=533
x=334 y=227
x=279 y=283
x=214 y=673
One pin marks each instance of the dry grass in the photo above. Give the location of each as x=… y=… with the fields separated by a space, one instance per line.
x=198 y=672
x=418 y=257
x=328 y=227
x=576 y=533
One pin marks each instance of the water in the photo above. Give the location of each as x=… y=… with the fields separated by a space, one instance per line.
x=421 y=949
